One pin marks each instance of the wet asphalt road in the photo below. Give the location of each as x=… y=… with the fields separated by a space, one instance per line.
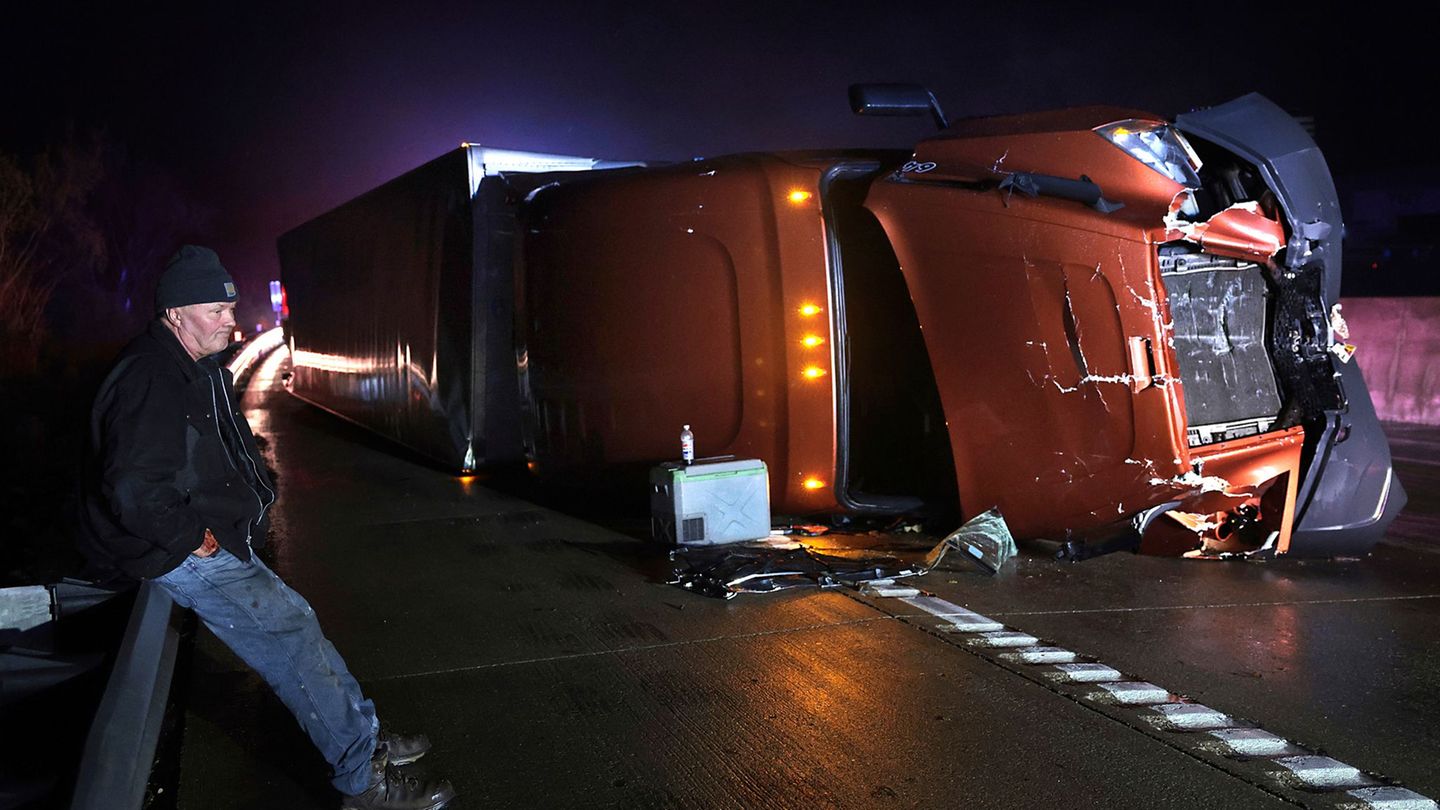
x=553 y=668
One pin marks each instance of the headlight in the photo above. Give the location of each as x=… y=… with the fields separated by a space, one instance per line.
x=1156 y=145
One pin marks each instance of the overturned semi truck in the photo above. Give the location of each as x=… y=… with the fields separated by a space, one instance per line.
x=1116 y=328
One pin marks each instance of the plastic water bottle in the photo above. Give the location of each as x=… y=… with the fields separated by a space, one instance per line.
x=687 y=446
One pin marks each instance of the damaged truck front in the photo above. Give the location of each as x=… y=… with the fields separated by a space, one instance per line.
x=1116 y=329
x=1132 y=330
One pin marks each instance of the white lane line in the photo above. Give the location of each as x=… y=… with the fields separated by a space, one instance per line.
x=638 y=648
x=1193 y=717
x=1393 y=798
x=1323 y=772
x=1132 y=693
x=1084 y=673
x=1041 y=655
x=1218 y=605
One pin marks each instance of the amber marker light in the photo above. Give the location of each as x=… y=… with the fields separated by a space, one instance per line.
x=811 y=341
x=813 y=372
x=813 y=483
x=809 y=310
x=798 y=196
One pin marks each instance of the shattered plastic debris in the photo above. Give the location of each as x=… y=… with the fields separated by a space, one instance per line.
x=1229 y=534
x=778 y=564
x=1193 y=521
x=1340 y=336
x=1338 y=327
x=1205 y=552
x=984 y=539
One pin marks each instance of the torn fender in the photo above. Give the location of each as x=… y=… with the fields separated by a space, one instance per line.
x=1241 y=231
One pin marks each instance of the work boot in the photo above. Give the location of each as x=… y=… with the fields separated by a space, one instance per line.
x=402 y=749
x=393 y=789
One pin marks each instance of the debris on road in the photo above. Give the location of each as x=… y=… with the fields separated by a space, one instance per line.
x=779 y=563
x=724 y=571
x=985 y=540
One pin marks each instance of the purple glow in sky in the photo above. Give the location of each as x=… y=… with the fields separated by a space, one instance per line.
x=270 y=114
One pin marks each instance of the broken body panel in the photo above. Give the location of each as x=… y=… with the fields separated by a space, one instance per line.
x=1097 y=340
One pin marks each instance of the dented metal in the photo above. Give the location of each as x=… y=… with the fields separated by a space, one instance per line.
x=1241 y=231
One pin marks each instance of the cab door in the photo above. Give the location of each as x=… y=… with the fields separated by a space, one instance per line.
x=1047 y=332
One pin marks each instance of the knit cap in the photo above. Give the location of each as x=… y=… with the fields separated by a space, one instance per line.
x=193 y=275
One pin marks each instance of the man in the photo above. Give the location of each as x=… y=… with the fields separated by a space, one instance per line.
x=176 y=493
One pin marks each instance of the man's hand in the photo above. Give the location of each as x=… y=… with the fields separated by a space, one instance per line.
x=210 y=546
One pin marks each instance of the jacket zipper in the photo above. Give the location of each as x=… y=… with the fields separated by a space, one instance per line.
x=215 y=404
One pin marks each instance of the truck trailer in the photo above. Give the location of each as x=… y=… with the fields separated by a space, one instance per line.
x=1117 y=328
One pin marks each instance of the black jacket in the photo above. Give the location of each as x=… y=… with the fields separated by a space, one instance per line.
x=169 y=457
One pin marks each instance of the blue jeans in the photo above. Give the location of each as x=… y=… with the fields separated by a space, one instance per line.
x=274 y=630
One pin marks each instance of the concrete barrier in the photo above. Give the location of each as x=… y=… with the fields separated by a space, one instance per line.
x=1398 y=349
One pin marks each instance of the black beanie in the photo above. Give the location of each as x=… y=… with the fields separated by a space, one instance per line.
x=193 y=275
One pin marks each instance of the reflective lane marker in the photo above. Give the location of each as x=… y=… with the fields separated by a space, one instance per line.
x=1041 y=655
x=936 y=606
x=1193 y=717
x=1004 y=638
x=1323 y=772
x=1085 y=673
x=1393 y=798
x=971 y=624
x=1254 y=742
x=961 y=620
x=1136 y=693
x=1223 y=735
x=887 y=587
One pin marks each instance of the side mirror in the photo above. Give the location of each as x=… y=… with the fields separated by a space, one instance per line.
x=895 y=99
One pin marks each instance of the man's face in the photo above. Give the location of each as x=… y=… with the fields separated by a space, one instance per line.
x=203 y=329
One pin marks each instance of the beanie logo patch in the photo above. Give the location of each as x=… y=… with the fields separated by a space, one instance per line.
x=230 y=289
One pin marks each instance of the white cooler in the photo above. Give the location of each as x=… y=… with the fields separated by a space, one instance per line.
x=710 y=503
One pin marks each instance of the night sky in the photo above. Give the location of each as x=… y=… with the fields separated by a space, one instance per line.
x=269 y=114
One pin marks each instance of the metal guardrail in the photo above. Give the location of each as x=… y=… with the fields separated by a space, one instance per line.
x=258 y=347
x=120 y=747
